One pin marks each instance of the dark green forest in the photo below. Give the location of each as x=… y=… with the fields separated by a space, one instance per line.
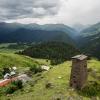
x=57 y=52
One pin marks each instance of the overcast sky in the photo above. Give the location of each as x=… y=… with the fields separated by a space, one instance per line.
x=50 y=11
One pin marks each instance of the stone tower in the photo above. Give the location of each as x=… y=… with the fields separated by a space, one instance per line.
x=79 y=71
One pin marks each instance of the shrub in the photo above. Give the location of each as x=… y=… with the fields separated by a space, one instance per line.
x=35 y=68
x=1 y=75
x=91 y=89
x=18 y=83
x=2 y=90
x=6 y=70
x=56 y=61
x=48 y=85
x=12 y=87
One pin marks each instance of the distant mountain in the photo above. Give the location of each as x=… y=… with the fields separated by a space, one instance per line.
x=54 y=27
x=26 y=35
x=90 y=34
x=15 y=32
x=90 y=40
x=79 y=27
x=9 y=27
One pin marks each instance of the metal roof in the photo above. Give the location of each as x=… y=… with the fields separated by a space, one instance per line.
x=80 y=57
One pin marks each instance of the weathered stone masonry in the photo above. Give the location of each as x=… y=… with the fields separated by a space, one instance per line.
x=78 y=76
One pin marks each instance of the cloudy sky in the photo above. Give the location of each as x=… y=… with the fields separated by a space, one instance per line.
x=50 y=11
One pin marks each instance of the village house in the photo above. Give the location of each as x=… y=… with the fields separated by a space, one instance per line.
x=9 y=76
x=10 y=73
x=46 y=68
x=12 y=76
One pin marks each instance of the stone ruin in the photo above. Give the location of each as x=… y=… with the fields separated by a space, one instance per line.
x=79 y=71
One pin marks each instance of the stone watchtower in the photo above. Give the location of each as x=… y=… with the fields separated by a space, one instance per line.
x=79 y=71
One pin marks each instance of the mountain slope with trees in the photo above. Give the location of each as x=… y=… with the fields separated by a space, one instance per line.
x=15 y=32
x=26 y=35
x=57 y=52
x=90 y=40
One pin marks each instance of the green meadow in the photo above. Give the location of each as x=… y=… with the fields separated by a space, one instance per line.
x=58 y=77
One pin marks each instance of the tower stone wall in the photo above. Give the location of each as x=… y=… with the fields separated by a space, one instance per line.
x=78 y=76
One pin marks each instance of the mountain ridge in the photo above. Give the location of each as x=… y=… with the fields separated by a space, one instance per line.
x=9 y=31
x=90 y=40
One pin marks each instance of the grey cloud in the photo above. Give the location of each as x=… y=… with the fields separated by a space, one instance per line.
x=14 y=9
x=46 y=3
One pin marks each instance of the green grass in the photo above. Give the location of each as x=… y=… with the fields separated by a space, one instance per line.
x=60 y=86
x=3 y=50
x=10 y=59
x=5 y=44
x=94 y=64
x=11 y=47
x=21 y=62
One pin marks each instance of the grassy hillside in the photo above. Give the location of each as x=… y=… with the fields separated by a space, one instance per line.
x=21 y=62
x=13 y=47
x=58 y=76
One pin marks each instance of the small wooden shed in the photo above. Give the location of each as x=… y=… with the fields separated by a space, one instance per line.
x=78 y=76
